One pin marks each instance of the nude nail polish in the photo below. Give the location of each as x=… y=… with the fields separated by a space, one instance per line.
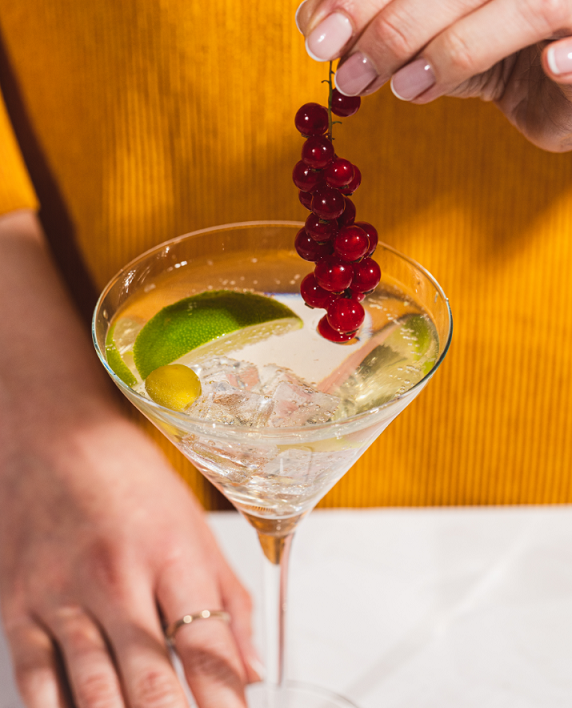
x=297 y=13
x=412 y=80
x=355 y=75
x=559 y=58
x=327 y=40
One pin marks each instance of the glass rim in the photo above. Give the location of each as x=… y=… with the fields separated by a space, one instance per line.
x=355 y=422
x=323 y=694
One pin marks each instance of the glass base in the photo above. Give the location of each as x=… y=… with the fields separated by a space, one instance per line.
x=294 y=695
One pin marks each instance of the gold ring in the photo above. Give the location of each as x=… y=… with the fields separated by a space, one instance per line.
x=174 y=627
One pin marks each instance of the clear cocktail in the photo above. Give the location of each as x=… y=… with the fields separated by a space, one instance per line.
x=282 y=413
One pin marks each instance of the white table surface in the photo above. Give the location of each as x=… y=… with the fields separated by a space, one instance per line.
x=421 y=608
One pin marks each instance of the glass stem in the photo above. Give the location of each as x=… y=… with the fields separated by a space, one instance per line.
x=275 y=589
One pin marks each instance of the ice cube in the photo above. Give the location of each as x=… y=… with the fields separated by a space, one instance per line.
x=220 y=369
x=226 y=404
x=225 y=461
x=290 y=466
x=271 y=376
x=298 y=404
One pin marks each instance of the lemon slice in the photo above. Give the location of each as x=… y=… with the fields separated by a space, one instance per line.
x=173 y=386
x=210 y=323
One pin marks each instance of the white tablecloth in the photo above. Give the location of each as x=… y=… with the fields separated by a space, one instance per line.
x=421 y=608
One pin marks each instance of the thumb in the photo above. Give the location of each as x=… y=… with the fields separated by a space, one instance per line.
x=557 y=63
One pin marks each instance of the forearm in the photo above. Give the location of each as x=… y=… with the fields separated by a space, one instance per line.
x=50 y=380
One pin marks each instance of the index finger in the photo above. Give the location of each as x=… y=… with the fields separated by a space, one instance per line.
x=331 y=27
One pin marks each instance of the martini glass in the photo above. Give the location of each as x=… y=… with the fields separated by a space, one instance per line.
x=275 y=474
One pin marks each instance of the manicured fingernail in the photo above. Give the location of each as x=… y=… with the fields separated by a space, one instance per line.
x=355 y=74
x=412 y=80
x=375 y=86
x=257 y=666
x=327 y=40
x=296 y=15
x=559 y=57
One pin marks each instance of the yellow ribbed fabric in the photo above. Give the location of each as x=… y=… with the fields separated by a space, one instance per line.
x=151 y=118
x=16 y=191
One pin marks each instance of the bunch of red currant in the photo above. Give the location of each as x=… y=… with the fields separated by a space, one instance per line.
x=340 y=247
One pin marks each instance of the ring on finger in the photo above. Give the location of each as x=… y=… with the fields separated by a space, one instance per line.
x=174 y=627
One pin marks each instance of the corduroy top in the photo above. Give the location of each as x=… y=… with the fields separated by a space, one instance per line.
x=128 y=123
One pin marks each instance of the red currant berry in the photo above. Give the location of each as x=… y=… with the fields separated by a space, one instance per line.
x=313 y=295
x=348 y=214
x=349 y=189
x=351 y=244
x=305 y=199
x=345 y=315
x=367 y=275
x=305 y=178
x=310 y=250
x=333 y=274
x=311 y=119
x=327 y=203
x=320 y=231
x=317 y=152
x=339 y=173
x=329 y=333
x=356 y=294
x=344 y=106
x=371 y=234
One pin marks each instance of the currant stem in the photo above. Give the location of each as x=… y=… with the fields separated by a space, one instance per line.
x=330 y=93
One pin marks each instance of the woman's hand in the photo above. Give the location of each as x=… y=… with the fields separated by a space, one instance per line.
x=517 y=53
x=99 y=539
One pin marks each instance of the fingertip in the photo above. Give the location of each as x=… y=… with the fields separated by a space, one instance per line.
x=394 y=91
x=413 y=80
x=297 y=15
x=558 y=60
x=355 y=75
x=311 y=53
x=551 y=60
x=372 y=88
x=328 y=39
x=254 y=668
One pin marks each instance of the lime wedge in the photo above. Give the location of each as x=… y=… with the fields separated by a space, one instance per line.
x=399 y=356
x=215 y=321
x=417 y=337
x=115 y=360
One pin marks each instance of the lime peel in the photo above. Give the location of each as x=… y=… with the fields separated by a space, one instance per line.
x=425 y=342
x=220 y=318
x=115 y=360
